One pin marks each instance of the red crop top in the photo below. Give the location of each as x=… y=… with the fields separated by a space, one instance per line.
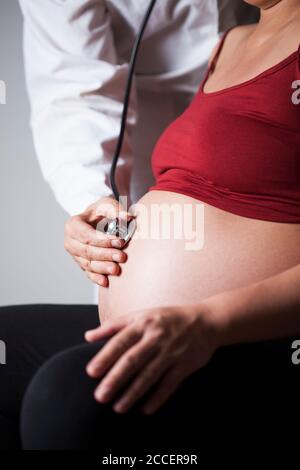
x=238 y=149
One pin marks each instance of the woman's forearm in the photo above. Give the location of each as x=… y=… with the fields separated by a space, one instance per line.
x=264 y=310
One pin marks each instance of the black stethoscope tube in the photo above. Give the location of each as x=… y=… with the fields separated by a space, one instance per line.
x=127 y=98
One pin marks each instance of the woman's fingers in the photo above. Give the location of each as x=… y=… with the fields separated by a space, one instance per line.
x=109 y=328
x=142 y=383
x=124 y=369
x=111 y=352
x=164 y=390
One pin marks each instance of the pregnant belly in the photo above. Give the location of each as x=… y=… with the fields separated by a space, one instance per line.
x=185 y=251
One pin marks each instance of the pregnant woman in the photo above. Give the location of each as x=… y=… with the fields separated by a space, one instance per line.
x=222 y=301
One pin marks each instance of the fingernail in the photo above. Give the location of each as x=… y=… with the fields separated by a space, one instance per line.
x=119 y=408
x=123 y=215
x=112 y=269
x=90 y=370
x=147 y=411
x=117 y=257
x=89 y=338
x=117 y=243
x=102 y=394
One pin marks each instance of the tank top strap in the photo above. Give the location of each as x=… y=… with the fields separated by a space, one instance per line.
x=298 y=63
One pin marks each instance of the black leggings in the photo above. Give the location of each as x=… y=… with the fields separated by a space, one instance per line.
x=46 y=398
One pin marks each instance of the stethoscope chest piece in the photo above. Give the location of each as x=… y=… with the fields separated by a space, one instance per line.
x=121 y=229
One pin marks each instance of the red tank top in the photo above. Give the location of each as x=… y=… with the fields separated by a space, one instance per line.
x=238 y=149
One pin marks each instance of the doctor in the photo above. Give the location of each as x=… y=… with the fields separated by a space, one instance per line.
x=76 y=57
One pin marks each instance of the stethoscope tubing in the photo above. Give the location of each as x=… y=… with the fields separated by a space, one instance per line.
x=132 y=64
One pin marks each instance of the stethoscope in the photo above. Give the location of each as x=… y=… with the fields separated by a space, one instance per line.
x=116 y=227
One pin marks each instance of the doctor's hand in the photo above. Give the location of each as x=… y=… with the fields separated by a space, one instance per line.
x=152 y=350
x=97 y=254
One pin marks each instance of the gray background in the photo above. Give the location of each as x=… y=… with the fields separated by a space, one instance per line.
x=33 y=264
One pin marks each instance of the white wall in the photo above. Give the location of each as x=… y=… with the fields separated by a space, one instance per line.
x=33 y=265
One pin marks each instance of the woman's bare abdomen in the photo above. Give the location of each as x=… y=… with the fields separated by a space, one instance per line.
x=211 y=251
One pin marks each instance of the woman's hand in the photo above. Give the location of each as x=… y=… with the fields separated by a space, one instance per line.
x=97 y=254
x=154 y=348
x=162 y=346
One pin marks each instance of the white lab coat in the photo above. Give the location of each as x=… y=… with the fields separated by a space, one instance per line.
x=76 y=60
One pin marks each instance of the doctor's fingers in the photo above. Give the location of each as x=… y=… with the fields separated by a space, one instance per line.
x=98 y=279
x=92 y=253
x=107 y=207
x=98 y=267
x=78 y=229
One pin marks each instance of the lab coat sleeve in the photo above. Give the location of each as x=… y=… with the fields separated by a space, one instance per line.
x=76 y=89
